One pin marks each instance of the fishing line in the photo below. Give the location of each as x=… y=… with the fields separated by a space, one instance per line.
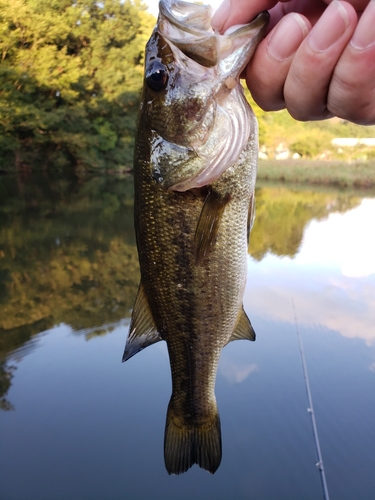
x=310 y=409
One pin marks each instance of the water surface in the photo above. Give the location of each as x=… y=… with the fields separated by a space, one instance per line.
x=76 y=423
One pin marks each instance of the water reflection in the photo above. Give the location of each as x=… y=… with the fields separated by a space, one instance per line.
x=282 y=215
x=68 y=268
x=67 y=254
x=334 y=254
x=67 y=249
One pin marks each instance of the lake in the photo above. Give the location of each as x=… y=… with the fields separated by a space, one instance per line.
x=77 y=423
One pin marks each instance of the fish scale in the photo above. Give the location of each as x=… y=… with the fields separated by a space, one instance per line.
x=192 y=236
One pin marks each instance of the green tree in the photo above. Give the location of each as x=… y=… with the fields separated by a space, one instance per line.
x=70 y=74
x=310 y=140
x=309 y=144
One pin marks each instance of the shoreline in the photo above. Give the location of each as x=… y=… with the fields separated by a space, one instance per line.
x=335 y=173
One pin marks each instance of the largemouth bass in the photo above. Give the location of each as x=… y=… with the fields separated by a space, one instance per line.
x=194 y=172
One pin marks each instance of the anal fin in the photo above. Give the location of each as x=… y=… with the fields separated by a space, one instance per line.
x=243 y=329
x=142 y=331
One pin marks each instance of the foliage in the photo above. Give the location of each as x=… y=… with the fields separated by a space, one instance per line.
x=309 y=145
x=70 y=73
x=310 y=140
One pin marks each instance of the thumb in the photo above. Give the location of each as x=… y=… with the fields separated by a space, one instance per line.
x=233 y=12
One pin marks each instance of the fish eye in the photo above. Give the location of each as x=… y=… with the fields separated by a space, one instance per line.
x=157 y=76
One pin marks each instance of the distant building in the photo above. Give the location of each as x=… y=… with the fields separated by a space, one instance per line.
x=282 y=152
x=282 y=155
x=350 y=142
x=263 y=154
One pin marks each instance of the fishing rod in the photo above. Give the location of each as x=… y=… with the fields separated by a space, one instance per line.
x=310 y=409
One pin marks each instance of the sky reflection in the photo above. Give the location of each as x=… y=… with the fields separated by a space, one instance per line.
x=344 y=241
x=331 y=279
x=83 y=425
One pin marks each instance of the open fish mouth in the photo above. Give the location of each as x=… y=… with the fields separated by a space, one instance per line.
x=188 y=26
x=205 y=79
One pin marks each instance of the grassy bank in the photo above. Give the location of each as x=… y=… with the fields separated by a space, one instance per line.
x=334 y=173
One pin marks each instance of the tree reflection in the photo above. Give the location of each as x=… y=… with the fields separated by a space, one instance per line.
x=68 y=254
x=6 y=375
x=282 y=213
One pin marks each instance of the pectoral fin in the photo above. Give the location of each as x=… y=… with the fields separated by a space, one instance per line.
x=142 y=331
x=243 y=329
x=208 y=224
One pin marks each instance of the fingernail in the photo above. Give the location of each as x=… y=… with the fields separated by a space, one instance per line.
x=221 y=15
x=287 y=36
x=330 y=27
x=364 y=35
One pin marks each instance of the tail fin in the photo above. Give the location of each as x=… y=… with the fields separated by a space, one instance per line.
x=186 y=445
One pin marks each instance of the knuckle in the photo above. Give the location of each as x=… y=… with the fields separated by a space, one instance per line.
x=303 y=101
x=352 y=100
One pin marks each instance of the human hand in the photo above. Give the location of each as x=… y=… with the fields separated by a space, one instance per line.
x=317 y=61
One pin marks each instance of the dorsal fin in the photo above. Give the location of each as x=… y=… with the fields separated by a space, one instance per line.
x=142 y=331
x=243 y=329
x=208 y=224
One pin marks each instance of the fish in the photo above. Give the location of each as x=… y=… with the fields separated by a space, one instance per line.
x=195 y=162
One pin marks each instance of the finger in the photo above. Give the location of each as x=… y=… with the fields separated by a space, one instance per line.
x=359 y=5
x=235 y=12
x=307 y=84
x=267 y=71
x=352 y=90
x=310 y=9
